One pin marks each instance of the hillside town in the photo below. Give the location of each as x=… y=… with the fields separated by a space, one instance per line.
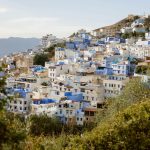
x=88 y=69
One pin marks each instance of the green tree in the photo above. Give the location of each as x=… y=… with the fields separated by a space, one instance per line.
x=40 y=59
x=12 y=130
x=130 y=129
x=134 y=92
x=147 y=24
x=44 y=125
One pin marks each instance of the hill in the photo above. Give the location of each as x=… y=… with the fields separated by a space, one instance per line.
x=16 y=44
x=115 y=28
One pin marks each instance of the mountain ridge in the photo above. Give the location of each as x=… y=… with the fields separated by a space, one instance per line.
x=17 y=44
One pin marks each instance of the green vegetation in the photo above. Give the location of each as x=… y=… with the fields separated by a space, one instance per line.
x=40 y=59
x=147 y=24
x=130 y=129
x=133 y=35
x=142 y=69
x=122 y=124
x=12 y=130
x=44 y=125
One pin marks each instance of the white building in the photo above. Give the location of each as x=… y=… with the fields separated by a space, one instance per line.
x=19 y=101
x=122 y=68
x=59 y=53
x=50 y=40
x=126 y=30
x=113 y=85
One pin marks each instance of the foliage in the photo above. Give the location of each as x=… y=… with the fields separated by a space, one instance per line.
x=40 y=59
x=44 y=125
x=133 y=35
x=12 y=130
x=130 y=130
x=134 y=92
x=122 y=124
x=147 y=24
x=44 y=84
x=4 y=65
x=142 y=69
x=12 y=127
x=51 y=49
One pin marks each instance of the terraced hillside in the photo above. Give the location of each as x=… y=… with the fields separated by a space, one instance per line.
x=115 y=28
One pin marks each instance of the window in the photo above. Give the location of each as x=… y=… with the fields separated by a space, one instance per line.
x=57 y=92
x=60 y=112
x=25 y=102
x=80 y=119
x=25 y=108
x=92 y=113
x=77 y=119
x=70 y=112
x=20 y=102
x=82 y=90
x=67 y=111
x=20 y=108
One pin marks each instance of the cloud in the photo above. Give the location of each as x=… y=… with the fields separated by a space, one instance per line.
x=3 y=10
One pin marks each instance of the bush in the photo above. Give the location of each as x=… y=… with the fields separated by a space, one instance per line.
x=12 y=130
x=40 y=59
x=130 y=130
x=142 y=69
x=44 y=125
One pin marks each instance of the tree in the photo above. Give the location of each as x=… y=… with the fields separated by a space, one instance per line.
x=130 y=129
x=134 y=92
x=147 y=24
x=40 y=59
x=44 y=125
x=12 y=129
x=125 y=35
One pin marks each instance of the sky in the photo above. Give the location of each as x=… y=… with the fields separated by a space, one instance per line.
x=35 y=18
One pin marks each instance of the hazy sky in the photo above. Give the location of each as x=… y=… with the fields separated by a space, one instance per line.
x=34 y=18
